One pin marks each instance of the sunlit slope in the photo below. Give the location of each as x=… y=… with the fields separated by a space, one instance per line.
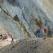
x=48 y=4
x=48 y=8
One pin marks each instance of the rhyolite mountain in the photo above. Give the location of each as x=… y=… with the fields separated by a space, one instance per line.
x=18 y=18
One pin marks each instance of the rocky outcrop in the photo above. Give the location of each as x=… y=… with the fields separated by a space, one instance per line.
x=21 y=46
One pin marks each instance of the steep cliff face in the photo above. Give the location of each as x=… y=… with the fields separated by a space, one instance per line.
x=27 y=11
